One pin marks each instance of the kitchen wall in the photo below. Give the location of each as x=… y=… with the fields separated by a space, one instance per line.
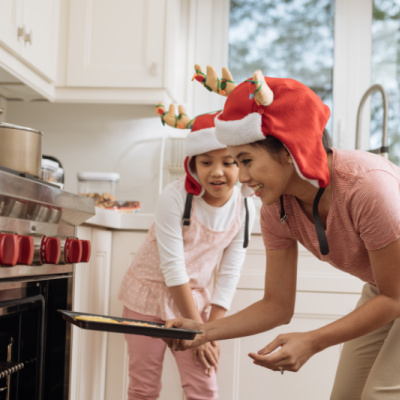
x=105 y=138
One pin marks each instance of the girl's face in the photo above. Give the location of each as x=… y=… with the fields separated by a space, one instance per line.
x=269 y=175
x=217 y=173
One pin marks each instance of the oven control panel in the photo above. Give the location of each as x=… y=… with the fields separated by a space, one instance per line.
x=37 y=250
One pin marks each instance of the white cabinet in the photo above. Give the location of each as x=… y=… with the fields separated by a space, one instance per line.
x=29 y=33
x=239 y=378
x=124 y=248
x=91 y=295
x=125 y=51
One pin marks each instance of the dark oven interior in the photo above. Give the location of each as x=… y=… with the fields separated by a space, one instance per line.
x=34 y=339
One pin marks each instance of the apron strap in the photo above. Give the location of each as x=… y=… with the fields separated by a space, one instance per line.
x=188 y=209
x=246 y=227
x=322 y=239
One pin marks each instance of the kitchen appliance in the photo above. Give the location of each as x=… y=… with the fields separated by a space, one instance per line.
x=21 y=148
x=38 y=250
x=100 y=183
x=52 y=171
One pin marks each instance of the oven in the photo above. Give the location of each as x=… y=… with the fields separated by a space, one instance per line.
x=38 y=249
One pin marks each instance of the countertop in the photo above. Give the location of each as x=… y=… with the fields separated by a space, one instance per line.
x=133 y=222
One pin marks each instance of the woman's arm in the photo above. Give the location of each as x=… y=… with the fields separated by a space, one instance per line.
x=276 y=307
x=297 y=348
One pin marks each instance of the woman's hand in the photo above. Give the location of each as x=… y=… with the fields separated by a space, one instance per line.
x=288 y=351
x=208 y=355
x=181 y=344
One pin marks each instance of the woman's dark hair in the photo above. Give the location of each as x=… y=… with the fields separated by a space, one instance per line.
x=274 y=146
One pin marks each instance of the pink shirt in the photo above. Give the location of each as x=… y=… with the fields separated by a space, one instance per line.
x=364 y=214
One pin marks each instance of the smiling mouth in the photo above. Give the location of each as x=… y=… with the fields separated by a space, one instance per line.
x=217 y=183
x=257 y=187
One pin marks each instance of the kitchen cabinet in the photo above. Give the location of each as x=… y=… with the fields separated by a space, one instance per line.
x=28 y=39
x=125 y=51
x=91 y=295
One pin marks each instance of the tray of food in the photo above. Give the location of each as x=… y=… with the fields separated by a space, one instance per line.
x=124 y=325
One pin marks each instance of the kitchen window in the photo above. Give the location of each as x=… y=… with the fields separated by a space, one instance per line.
x=286 y=39
x=386 y=71
x=338 y=48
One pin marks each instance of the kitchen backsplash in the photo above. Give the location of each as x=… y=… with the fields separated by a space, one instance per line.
x=105 y=138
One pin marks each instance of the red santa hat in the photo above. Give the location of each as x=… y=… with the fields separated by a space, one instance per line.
x=201 y=139
x=288 y=111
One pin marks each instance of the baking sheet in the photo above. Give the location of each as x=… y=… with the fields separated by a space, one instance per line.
x=155 y=330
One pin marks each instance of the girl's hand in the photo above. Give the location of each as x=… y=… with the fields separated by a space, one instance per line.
x=288 y=351
x=208 y=355
x=181 y=344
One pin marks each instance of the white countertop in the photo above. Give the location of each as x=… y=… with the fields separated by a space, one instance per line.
x=134 y=222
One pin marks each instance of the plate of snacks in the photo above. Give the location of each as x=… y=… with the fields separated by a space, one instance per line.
x=107 y=323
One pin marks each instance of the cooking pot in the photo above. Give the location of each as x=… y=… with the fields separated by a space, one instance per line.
x=21 y=149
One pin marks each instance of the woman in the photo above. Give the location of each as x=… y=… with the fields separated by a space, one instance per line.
x=343 y=207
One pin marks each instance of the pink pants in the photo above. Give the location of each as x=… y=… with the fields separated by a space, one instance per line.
x=146 y=356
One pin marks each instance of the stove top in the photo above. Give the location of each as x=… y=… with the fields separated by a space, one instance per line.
x=24 y=196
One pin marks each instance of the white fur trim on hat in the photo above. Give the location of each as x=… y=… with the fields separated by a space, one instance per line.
x=241 y=131
x=202 y=141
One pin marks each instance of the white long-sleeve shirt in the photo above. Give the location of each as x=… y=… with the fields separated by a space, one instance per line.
x=168 y=226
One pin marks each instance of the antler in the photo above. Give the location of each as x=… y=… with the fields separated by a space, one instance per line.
x=263 y=94
x=223 y=86
x=182 y=121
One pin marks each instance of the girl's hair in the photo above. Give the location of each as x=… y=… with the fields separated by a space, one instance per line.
x=274 y=146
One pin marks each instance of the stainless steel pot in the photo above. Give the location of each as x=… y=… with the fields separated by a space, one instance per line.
x=21 y=149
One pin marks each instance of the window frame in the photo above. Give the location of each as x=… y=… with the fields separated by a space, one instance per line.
x=351 y=72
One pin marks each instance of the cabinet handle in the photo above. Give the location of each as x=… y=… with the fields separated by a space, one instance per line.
x=28 y=38
x=21 y=32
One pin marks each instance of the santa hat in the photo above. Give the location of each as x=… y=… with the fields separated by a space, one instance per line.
x=201 y=139
x=289 y=111
x=292 y=113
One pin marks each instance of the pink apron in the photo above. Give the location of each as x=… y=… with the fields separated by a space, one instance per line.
x=144 y=290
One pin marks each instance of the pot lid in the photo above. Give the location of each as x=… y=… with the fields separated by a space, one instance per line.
x=20 y=128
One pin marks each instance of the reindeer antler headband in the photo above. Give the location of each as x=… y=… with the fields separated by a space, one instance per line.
x=201 y=139
x=180 y=121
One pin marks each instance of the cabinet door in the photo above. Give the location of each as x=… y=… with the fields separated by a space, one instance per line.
x=239 y=378
x=10 y=16
x=116 y=43
x=29 y=32
x=40 y=24
x=91 y=295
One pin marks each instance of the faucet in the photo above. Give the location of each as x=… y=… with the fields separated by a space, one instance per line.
x=384 y=150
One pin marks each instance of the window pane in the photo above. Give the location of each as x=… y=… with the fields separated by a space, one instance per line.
x=285 y=39
x=386 y=71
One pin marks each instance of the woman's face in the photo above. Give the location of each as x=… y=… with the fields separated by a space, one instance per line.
x=269 y=175
x=217 y=173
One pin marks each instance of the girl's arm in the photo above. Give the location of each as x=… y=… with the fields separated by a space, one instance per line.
x=183 y=298
x=297 y=348
x=208 y=353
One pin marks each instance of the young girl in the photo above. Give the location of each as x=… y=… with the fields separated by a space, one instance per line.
x=200 y=221
x=343 y=206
